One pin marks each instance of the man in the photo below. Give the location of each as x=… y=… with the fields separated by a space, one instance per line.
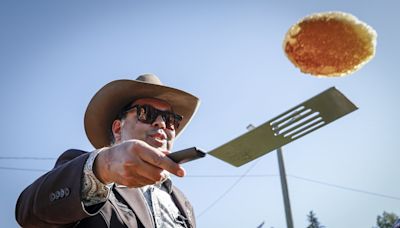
x=125 y=182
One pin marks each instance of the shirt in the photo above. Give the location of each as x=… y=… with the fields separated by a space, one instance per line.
x=158 y=196
x=164 y=210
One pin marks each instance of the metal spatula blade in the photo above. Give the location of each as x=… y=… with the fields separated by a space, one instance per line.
x=291 y=125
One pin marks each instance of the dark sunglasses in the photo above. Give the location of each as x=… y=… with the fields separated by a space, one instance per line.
x=148 y=114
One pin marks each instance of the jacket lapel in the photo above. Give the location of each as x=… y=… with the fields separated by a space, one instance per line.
x=137 y=202
x=183 y=205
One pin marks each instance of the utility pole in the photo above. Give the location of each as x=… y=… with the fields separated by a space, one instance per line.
x=285 y=190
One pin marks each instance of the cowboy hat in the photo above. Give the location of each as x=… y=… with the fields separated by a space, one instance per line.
x=106 y=104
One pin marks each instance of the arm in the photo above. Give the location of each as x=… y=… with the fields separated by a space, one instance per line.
x=132 y=163
x=47 y=200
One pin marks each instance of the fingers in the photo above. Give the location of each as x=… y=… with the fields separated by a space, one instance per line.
x=145 y=170
x=137 y=173
x=159 y=159
x=135 y=163
x=135 y=181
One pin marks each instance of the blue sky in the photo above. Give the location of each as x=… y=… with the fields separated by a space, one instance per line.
x=56 y=54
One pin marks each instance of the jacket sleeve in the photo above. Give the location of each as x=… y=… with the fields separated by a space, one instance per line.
x=54 y=199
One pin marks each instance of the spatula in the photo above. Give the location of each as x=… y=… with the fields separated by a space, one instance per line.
x=291 y=125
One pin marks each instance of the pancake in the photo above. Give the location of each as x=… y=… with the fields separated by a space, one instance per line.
x=330 y=44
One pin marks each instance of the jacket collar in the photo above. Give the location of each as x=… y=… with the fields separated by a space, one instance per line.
x=135 y=199
x=141 y=208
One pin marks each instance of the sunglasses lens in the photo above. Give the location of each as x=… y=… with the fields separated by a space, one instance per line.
x=148 y=114
x=144 y=114
x=172 y=120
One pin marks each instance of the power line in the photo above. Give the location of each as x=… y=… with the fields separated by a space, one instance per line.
x=231 y=176
x=345 y=188
x=24 y=169
x=269 y=175
x=26 y=158
x=300 y=178
x=248 y=176
x=240 y=178
x=229 y=189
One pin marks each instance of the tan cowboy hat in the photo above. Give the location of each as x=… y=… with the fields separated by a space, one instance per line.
x=109 y=100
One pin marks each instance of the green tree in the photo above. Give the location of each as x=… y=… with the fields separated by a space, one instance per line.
x=386 y=220
x=314 y=223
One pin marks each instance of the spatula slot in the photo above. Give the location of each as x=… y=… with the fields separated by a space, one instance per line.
x=301 y=122
x=309 y=127
x=287 y=116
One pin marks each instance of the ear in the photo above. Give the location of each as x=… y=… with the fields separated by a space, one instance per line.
x=116 y=129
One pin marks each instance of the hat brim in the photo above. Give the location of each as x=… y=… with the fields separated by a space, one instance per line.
x=109 y=100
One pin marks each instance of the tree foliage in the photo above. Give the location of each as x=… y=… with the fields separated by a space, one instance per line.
x=386 y=220
x=313 y=220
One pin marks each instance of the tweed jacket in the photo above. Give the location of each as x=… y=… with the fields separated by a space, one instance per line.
x=54 y=200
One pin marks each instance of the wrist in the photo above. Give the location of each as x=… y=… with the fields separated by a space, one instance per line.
x=100 y=168
x=93 y=191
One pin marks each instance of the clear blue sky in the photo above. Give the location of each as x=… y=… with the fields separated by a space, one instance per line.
x=56 y=54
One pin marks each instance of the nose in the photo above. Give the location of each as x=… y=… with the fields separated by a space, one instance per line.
x=159 y=122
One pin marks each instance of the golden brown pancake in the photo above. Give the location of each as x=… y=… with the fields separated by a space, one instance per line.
x=330 y=44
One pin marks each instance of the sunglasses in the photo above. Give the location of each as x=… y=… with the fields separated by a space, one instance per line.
x=148 y=114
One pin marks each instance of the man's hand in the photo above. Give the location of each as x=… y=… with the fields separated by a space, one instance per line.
x=134 y=163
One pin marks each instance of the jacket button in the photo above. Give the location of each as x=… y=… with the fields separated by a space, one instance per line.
x=52 y=197
x=62 y=193
x=66 y=192
x=58 y=194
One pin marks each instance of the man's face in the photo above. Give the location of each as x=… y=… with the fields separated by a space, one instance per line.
x=155 y=134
